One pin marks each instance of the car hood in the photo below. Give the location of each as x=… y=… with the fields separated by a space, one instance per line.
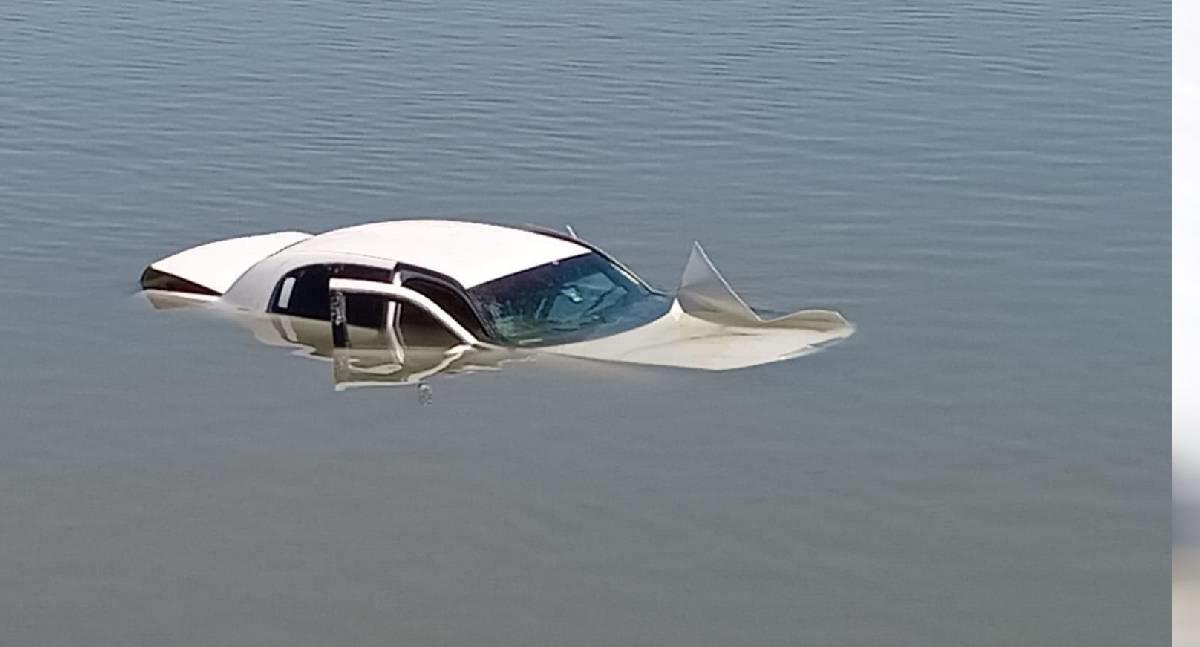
x=683 y=340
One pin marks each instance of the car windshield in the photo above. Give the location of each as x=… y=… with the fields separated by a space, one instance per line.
x=570 y=300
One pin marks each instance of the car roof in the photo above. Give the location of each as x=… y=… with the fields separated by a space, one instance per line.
x=471 y=253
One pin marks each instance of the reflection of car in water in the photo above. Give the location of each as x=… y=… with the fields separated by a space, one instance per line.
x=396 y=301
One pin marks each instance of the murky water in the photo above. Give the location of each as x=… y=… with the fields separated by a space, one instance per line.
x=983 y=189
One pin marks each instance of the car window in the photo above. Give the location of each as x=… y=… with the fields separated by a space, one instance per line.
x=304 y=292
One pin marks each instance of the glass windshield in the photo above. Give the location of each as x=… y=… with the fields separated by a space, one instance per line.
x=566 y=301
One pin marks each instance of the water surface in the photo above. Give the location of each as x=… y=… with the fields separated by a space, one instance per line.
x=983 y=189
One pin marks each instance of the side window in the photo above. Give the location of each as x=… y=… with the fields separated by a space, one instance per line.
x=418 y=328
x=304 y=292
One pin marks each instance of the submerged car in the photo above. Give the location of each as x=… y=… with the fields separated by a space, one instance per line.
x=484 y=290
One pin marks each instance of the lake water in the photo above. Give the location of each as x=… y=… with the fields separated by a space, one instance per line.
x=982 y=188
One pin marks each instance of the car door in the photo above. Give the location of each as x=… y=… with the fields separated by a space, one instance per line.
x=417 y=328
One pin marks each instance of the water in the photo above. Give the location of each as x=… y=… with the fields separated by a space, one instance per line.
x=983 y=189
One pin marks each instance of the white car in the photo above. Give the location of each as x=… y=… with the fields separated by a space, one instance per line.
x=474 y=289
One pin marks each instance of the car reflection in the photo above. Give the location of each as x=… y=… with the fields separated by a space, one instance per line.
x=407 y=356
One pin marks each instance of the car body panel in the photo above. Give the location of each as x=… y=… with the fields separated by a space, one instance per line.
x=469 y=252
x=218 y=265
